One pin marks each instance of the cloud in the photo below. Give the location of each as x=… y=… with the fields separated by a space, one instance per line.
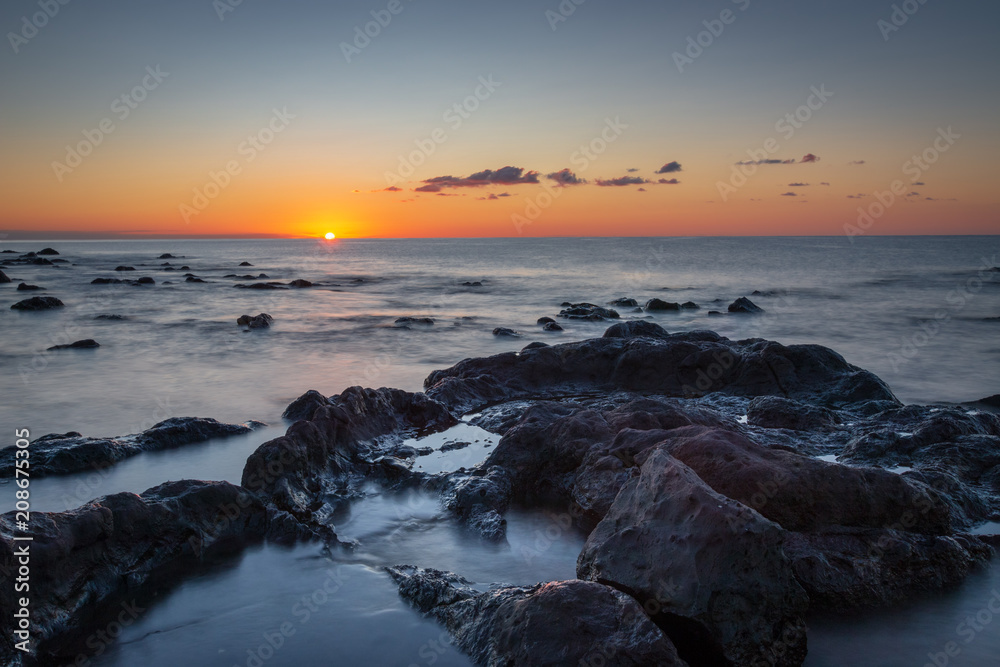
x=809 y=157
x=769 y=161
x=448 y=194
x=642 y=189
x=392 y=188
x=856 y=162
x=631 y=170
x=859 y=196
x=670 y=168
x=824 y=183
x=494 y=196
x=790 y=194
x=565 y=177
x=913 y=194
x=428 y=188
x=502 y=176
x=798 y=185
x=920 y=183
x=620 y=181
x=670 y=181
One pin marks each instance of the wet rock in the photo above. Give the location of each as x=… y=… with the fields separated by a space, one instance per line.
x=713 y=571
x=454 y=445
x=481 y=501
x=48 y=251
x=689 y=305
x=636 y=328
x=715 y=313
x=245 y=264
x=992 y=401
x=744 y=305
x=110 y=316
x=124 y=268
x=300 y=283
x=624 y=302
x=107 y=281
x=534 y=345
x=80 y=344
x=145 y=280
x=166 y=255
x=414 y=320
x=38 y=303
x=193 y=279
x=553 y=624
x=259 y=286
x=475 y=283
x=544 y=320
x=503 y=331
x=4 y=278
x=778 y=412
x=660 y=305
x=261 y=321
x=305 y=405
x=551 y=326
x=61 y=454
x=25 y=287
x=588 y=311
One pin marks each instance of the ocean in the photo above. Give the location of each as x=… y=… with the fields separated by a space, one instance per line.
x=923 y=313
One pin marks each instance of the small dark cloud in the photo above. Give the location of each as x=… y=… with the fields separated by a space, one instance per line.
x=670 y=168
x=448 y=194
x=642 y=189
x=668 y=181
x=428 y=188
x=502 y=176
x=856 y=162
x=632 y=170
x=763 y=162
x=913 y=194
x=790 y=194
x=620 y=181
x=920 y=183
x=565 y=177
x=824 y=183
x=798 y=185
x=809 y=157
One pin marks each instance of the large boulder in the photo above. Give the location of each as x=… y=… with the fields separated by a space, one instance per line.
x=588 y=311
x=38 y=303
x=553 y=624
x=711 y=571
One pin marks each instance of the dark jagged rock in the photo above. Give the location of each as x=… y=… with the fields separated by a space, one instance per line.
x=166 y=255
x=335 y=451
x=259 y=286
x=300 y=283
x=503 y=331
x=414 y=320
x=4 y=278
x=80 y=344
x=305 y=405
x=96 y=553
x=689 y=305
x=558 y=623
x=777 y=412
x=713 y=570
x=535 y=345
x=481 y=501
x=588 y=311
x=193 y=279
x=624 y=302
x=551 y=326
x=245 y=264
x=62 y=454
x=124 y=268
x=660 y=304
x=38 y=303
x=686 y=364
x=544 y=320
x=25 y=287
x=992 y=401
x=48 y=251
x=744 y=305
x=635 y=328
x=262 y=321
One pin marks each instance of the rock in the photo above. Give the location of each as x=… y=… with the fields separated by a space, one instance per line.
x=503 y=331
x=124 y=268
x=454 y=445
x=624 y=302
x=551 y=326
x=245 y=264
x=660 y=304
x=553 y=624
x=300 y=283
x=332 y=454
x=145 y=280
x=25 y=287
x=476 y=283
x=80 y=344
x=690 y=364
x=62 y=454
x=110 y=316
x=481 y=501
x=778 y=412
x=261 y=321
x=4 y=278
x=40 y=261
x=714 y=313
x=48 y=251
x=534 y=345
x=166 y=255
x=305 y=405
x=106 y=281
x=258 y=286
x=588 y=311
x=744 y=305
x=414 y=320
x=689 y=305
x=544 y=320
x=97 y=553
x=636 y=328
x=712 y=570
x=193 y=279
x=185 y=268
x=992 y=401
x=38 y=303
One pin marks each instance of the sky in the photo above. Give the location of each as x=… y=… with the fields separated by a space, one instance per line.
x=413 y=118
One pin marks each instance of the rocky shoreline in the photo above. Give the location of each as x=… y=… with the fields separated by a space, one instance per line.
x=700 y=468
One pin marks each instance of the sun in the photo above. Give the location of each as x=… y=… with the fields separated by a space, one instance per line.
x=330 y=236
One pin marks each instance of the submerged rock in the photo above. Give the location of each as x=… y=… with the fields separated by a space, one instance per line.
x=261 y=321
x=4 y=278
x=551 y=326
x=744 y=305
x=300 y=283
x=503 y=331
x=38 y=303
x=258 y=285
x=414 y=320
x=25 y=287
x=660 y=304
x=552 y=624
x=245 y=264
x=124 y=268
x=545 y=320
x=48 y=251
x=624 y=302
x=166 y=255
x=588 y=311
x=80 y=344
